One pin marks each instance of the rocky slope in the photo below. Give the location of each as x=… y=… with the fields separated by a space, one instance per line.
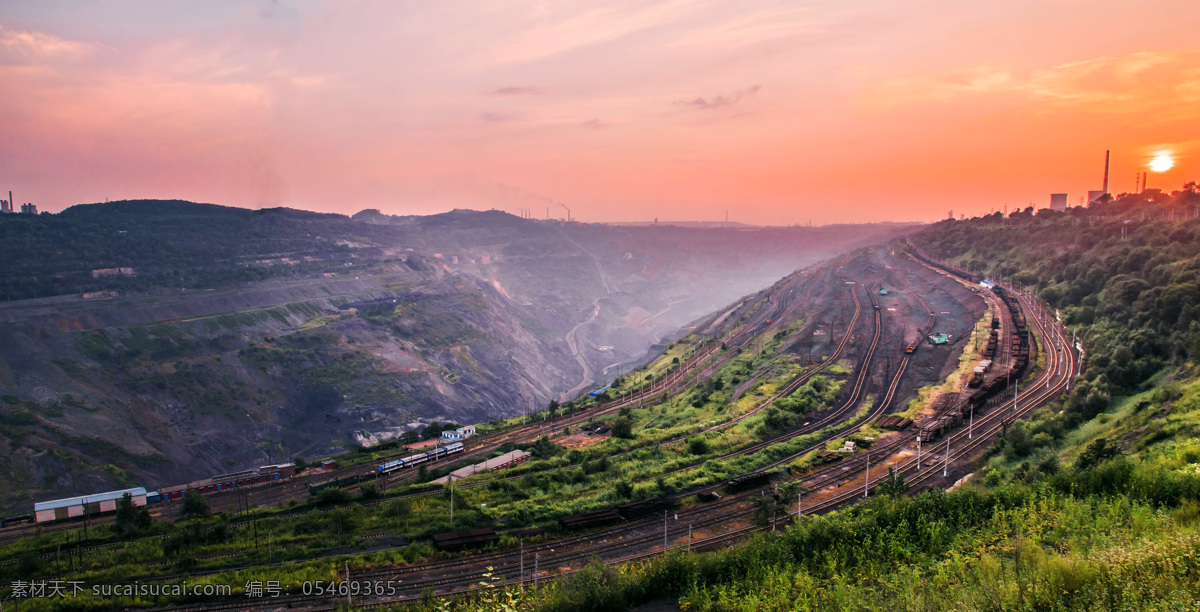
x=177 y=340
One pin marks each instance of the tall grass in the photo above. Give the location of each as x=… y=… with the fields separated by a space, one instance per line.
x=1016 y=548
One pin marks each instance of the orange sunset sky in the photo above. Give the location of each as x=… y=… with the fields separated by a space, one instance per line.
x=778 y=112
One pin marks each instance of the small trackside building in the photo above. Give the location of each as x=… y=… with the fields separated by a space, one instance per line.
x=91 y=505
x=462 y=433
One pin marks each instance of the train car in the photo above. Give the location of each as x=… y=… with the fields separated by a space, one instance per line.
x=748 y=481
x=645 y=507
x=830 y=457
x=16 y=520
x=893 y=422
x=390 y=466
x=411 y=460
x=587 y=520
x=344 y=481
x=275 y=473
x=456 y=540
x=448 y=449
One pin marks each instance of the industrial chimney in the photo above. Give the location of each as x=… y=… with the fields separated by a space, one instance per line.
x=1106 y=153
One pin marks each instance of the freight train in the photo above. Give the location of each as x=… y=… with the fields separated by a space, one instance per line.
x=748 y=481
x=1019 y=340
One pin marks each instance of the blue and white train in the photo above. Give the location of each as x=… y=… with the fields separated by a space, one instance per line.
x=436 y=453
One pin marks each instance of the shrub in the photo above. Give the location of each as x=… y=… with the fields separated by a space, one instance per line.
x=595 y=588
x=195 y=505
x=622 y=428
x=330 y=496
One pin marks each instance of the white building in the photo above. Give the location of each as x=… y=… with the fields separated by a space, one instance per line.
x=461 y=433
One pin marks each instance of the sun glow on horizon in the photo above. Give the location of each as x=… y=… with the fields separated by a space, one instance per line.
x=1162 y=162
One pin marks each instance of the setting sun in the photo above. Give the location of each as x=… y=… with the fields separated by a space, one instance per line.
x=1162 y=162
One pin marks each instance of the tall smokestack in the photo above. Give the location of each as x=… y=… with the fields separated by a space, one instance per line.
x=1106 y=153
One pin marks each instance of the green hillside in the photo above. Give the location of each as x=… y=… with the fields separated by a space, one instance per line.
x=1090 y=505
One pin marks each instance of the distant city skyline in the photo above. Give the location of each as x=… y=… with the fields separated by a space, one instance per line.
x=779 y=113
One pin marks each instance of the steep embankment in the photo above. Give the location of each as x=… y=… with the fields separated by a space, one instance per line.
x=164 y=341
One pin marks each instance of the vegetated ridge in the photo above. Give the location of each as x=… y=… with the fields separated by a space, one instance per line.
x=1091 y=504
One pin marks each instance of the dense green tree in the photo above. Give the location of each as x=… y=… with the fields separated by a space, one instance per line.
x=622 y=428
x=893 y=484
x=131 y=518
x=195 y=505
x=1099 y=451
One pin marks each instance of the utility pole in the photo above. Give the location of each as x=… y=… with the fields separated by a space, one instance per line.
x=664 y=533
x=971 y=427
x=348 y=589
x=774 y=501
x=867 y=478
x=918 y=453
x=946 y=464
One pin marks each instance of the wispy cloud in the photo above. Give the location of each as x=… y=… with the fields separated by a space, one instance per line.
x=498 y=117
x=517 y=91
x=1113 y=84
x=35 y=48
x=551 y=30
x=720 y=101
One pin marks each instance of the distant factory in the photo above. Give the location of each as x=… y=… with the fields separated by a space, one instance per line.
x=1058 y=201
x=10 y=206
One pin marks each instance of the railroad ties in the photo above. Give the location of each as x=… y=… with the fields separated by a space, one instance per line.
x=456 y=540
x=630 y=511
x=947 y=413
x=588 y=520
x=894 y=422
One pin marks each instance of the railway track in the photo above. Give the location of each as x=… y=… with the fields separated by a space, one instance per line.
x=676 y=380
x=452 y=574
x=502 y=560
x=1050 y=383
x=722 y=512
